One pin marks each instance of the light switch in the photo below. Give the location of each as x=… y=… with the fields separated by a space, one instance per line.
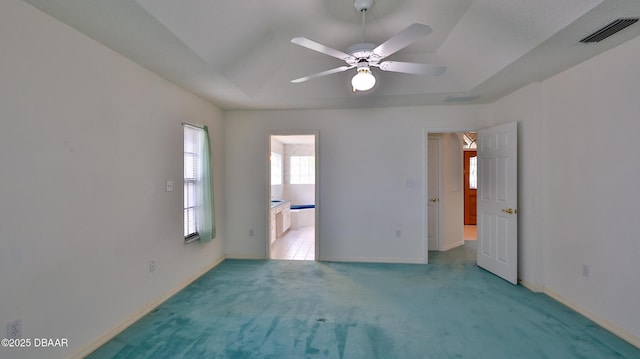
x=169 y=186
x=412 y=183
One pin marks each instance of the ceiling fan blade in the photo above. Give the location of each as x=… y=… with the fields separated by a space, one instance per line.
x=402 y=39
x=312 y=45
x=323 y=73
x=412 y=68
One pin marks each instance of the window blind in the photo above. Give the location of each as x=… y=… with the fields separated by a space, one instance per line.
x=192 y=138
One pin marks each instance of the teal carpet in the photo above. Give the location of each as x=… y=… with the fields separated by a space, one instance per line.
x=290 y=309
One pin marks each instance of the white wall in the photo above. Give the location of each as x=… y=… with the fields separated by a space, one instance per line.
x=87 y=141
x=277 y=190
x=366 y=157
x=451 y=189
x=298 y=193
x=579 y=193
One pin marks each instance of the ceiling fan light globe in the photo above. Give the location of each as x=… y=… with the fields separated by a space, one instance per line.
x=363 y=80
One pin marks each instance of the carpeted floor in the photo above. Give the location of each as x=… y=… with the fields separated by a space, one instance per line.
x=292 y=309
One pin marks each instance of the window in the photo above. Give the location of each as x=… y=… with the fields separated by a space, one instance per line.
x=473 y=172
x=199 y=209
x=276 y=168
x=192 y=146
x=303 y=169
x=470 y=139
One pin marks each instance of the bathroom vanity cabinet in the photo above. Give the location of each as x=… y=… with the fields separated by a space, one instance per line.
x=280 y=219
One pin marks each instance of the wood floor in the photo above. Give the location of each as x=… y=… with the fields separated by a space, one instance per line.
x=470 y=233
x=297 y=244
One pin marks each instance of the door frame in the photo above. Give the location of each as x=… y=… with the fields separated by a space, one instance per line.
x=425 y=197
x=316 y=134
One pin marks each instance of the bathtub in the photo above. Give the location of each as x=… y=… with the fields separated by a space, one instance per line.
x=303 y=216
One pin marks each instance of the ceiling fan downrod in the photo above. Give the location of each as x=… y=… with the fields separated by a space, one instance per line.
x=363 y=6
x=363 y=12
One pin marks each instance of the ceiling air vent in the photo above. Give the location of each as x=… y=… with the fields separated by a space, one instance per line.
x=609 y=30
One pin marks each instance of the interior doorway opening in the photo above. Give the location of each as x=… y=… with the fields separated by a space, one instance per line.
x=470 y=173
x=452 y=185
x=293 y=175
x=497 y=201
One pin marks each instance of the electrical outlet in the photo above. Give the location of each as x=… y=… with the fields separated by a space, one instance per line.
x=585 y=270
x=14 y=329
x=152 y=265
x=251 y=232
x=398 y=233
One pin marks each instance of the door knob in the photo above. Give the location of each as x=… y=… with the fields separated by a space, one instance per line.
x=508 y=210
x=434 y=199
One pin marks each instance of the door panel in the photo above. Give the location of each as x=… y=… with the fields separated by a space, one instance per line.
x=497 y=201
x=484 y=231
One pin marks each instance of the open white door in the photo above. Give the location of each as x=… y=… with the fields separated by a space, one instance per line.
x=498 y=201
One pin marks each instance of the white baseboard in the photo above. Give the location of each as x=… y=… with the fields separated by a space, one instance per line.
x=111 y=333
x=532 y=287
x=451 y=246
x=245 y=257
x=374 y=260
x=608 y=325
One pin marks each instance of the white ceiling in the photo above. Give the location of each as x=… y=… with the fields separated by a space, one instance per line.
x=238 y=54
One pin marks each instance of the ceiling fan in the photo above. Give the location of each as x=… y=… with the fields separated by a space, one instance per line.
x=363 y=56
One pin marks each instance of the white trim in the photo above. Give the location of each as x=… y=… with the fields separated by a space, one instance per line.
x=187 y=124
x=373 y=260
x=451 y=246
x=111 y=333
x=451 y=130
x=532 y=287
x=606 y=324
x=246 y=257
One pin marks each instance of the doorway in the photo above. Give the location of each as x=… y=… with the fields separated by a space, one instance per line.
x=292 y=204
x=470 y=185
x=448 y=201
x=497 y=240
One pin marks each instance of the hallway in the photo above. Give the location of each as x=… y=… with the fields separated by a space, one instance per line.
x=470 y=232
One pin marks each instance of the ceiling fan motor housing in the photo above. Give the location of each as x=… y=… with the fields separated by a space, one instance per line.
x=362 y=51
x=363 y=5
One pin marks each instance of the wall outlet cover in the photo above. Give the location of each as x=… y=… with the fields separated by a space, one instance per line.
x=14 y=329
